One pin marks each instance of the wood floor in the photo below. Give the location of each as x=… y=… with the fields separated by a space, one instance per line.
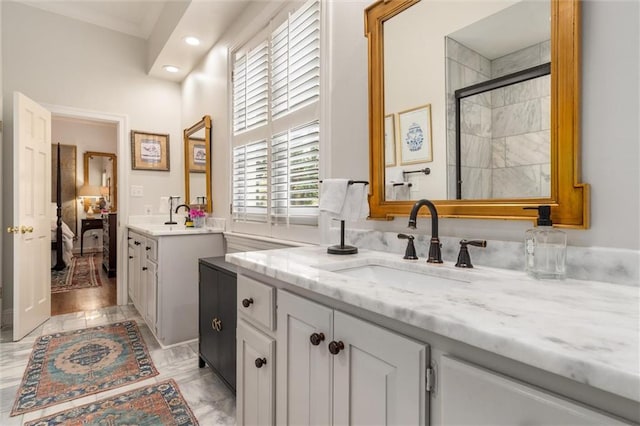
x=85 y=299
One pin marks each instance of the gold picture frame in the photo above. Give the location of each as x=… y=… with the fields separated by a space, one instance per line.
x=149 y=151
x=416 y=144
x=197 y=155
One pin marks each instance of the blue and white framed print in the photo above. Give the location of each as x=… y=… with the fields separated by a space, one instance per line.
x=389 y=140
x=415 y=135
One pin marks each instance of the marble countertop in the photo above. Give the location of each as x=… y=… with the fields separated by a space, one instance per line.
x=156 y=230
x=583 y=330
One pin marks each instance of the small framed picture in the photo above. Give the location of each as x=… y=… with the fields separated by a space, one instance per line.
x=415 y=135
x=197 y=155
x=149 y=151
x=389 y=140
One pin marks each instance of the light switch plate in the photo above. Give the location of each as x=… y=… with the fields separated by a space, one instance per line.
x=137 y=190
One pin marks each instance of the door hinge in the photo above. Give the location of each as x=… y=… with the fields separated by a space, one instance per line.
x=430 y=379
x=230 y=208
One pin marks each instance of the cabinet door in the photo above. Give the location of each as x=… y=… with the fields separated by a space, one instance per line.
x=255 y=385
x=379 y=376
x=132 y=271
x=470 y=395
x=304 y=369
x=208 y=305
x=227 y=285
x=151 y=294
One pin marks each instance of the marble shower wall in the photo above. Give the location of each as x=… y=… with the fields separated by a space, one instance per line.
x=464 y=68
x=520 y=123
x=505 y=136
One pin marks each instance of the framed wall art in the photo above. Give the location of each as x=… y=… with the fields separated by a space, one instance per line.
x=149 y=151
x=415 y=135
x=197 y=154
x=389 y=140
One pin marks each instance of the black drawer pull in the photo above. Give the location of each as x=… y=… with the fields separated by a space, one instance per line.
x=316 y=338
x=336 y=347
x=144 y=268
x=147 y=248
x=260 y=362
x=136 y=243
x=129 y=238
x=247 y=302
x=130 y=257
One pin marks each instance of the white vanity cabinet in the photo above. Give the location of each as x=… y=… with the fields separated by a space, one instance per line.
x=163 y=281
x=472 y=395
x=331 y=368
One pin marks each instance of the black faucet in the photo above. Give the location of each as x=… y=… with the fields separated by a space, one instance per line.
x=434 y=247
x=188 y=210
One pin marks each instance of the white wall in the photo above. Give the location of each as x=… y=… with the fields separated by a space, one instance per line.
x=609 y=127
x=86 y=136
x=60 y=61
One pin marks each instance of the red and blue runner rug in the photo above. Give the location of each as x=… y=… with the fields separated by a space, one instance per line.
x=69 y=365
x=81 y=272
x=158 y=404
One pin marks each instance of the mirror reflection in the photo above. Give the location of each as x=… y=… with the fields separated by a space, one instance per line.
x=500 y=147
x=197 y=164
x=100 y=170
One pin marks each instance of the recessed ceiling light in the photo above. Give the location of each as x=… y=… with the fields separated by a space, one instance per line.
x=193 y=41
x=171 y=68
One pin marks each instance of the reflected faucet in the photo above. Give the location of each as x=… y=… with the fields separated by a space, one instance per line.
x=187 y=208
x=434 y=247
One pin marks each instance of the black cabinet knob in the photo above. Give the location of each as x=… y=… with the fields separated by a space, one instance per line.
x=136 y=243
x=130 y=257
x=247 y=302
x=129 y=238
x=144 y=268
x=336 y=347
x=147 y=248
x=316 y=338
x=260 y=362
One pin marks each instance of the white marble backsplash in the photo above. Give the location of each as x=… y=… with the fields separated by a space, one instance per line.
x=618 y=266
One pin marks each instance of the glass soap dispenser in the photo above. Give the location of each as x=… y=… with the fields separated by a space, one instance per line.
x=545 y=248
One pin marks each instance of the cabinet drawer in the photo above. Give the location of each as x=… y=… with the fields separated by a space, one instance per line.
x=151 y=248
x=259 y=301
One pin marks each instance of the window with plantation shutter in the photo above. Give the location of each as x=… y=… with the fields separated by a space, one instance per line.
x=294 y=175
x=276 y=126
x=250 y=88
x=250 y=175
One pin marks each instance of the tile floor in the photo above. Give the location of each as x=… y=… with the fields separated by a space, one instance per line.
x=210 y=400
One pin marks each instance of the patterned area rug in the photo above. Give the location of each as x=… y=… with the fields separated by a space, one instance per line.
x=159 y=404
x=68 y=365
x=82 y=272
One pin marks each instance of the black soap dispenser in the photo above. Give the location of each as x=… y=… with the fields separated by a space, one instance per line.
x=545 y=247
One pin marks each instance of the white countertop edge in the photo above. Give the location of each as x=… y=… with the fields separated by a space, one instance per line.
x=166 y=233
x=618 y=381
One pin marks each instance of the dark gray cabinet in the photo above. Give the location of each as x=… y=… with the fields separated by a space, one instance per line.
x=217 y=317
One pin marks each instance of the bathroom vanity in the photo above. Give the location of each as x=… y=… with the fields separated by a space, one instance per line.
x=162 y=276
x=374 y=339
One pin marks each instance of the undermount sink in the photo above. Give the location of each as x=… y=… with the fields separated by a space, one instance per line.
x=411 y=276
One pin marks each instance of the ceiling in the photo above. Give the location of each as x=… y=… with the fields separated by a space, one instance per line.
x=163 y=24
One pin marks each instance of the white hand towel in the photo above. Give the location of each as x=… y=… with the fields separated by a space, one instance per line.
x=401 y=192
x=393 y=174
x=356 y=204
x=332 y=195
x=389 y=192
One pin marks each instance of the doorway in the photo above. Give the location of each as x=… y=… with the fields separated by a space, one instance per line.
x=91 y=278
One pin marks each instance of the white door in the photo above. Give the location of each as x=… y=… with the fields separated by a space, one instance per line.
x=303 y=376
x=378 y=375
x=32 y=215
x=255 y=376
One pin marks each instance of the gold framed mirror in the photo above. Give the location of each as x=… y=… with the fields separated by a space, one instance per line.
x=568 y=197
x=101 y=171
x=197 y=164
